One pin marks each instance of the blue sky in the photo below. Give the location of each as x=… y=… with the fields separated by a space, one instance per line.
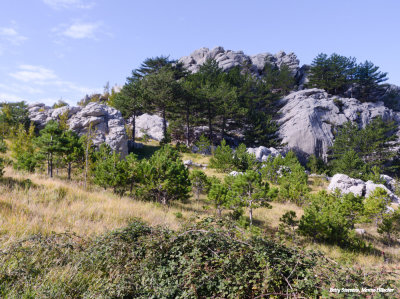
x=64 y=49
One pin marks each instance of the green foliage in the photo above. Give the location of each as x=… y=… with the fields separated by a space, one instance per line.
x=23 y=148
x=199 y=182
x=202 y=260
x=3 y=149
x=218 y=195
x=11 y=116
x=390 y=226
x=223 y=158
x=248 y=190
x=203 y=144
x=288 y=224
x=316 y=165
x=289 y=174
x=50 y=143
x=331 y=217
x=375 y=205
x=356 y=151
x=368 y=80
x=334 y=73
x=242 y=160
x=337 y=74
x=110 y=171
x=60 y=103
x=163 y=177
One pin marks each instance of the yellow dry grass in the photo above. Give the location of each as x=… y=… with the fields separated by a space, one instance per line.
x=59 y=206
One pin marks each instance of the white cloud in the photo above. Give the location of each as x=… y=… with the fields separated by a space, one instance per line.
x=37 y=74
x=11 y=35
x=68 y=4
x=82 y=30
x=33 y=81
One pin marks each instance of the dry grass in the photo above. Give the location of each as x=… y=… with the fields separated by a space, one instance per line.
x=56 y=205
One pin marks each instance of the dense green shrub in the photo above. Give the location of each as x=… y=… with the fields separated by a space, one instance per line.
x=331 y=218
x=202 y=260
x=289 y=174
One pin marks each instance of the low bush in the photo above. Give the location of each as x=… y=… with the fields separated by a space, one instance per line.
x=206 y=259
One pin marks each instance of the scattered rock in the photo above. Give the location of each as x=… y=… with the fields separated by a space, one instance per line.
x=360 y=231
x=235 y=173
x=358 y=187
x=188 y=162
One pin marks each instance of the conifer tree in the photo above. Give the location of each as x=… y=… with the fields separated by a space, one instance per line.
x=51 y=142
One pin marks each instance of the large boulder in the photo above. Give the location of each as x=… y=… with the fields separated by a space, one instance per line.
x=152 y=125
x=309 y=118
x=107 y=123
x=228 y=59
x=346 y=184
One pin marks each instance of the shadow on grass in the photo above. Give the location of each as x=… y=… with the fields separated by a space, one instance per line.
x=146 y=151
x=12 y=183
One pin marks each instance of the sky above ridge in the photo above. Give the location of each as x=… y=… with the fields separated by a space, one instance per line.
x=65 y=49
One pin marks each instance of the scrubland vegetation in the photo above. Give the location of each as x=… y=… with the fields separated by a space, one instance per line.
x=84 y=222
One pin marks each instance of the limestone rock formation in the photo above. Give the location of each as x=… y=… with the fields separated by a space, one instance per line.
x=309 y=117
x=347 y=184
x=152 y=125
x=262 y=153
x=358 y=187
x=107 y=122
x=228 y=59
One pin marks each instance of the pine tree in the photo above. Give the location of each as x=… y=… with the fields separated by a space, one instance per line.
x=23 y=148
x=218 y=195
x=51 y=142
x=73 y=151
x=199 y=182
x=249 y=191
x=369 y=80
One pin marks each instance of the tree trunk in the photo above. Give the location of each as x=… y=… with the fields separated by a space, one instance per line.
x=219 y=211
x=133 y=127
x=187 y=127
x=250 y=213
x=223 y=126
x=69 y=170
x=210 y=131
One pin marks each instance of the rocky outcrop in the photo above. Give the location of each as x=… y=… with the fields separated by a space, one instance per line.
x=262 y=153
x=107 y=122
x=346 y=184
x=152 y=125
x=228 y=59
x=309 y=118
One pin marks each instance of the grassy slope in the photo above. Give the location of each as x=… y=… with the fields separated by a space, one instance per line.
x=58 y=205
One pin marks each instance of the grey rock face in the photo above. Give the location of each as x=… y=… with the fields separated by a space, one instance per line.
x=107 y=123
x=152 y=125
x=358 y=187
x=309 y=118
x=262 y=153
x=228 y=59
x=347 y=184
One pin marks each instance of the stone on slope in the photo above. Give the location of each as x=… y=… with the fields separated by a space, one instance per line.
x=370 y=187
x=309 y=117
x=262 y=153
x=107 y=123
x=347 y=184
x=152 y=125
